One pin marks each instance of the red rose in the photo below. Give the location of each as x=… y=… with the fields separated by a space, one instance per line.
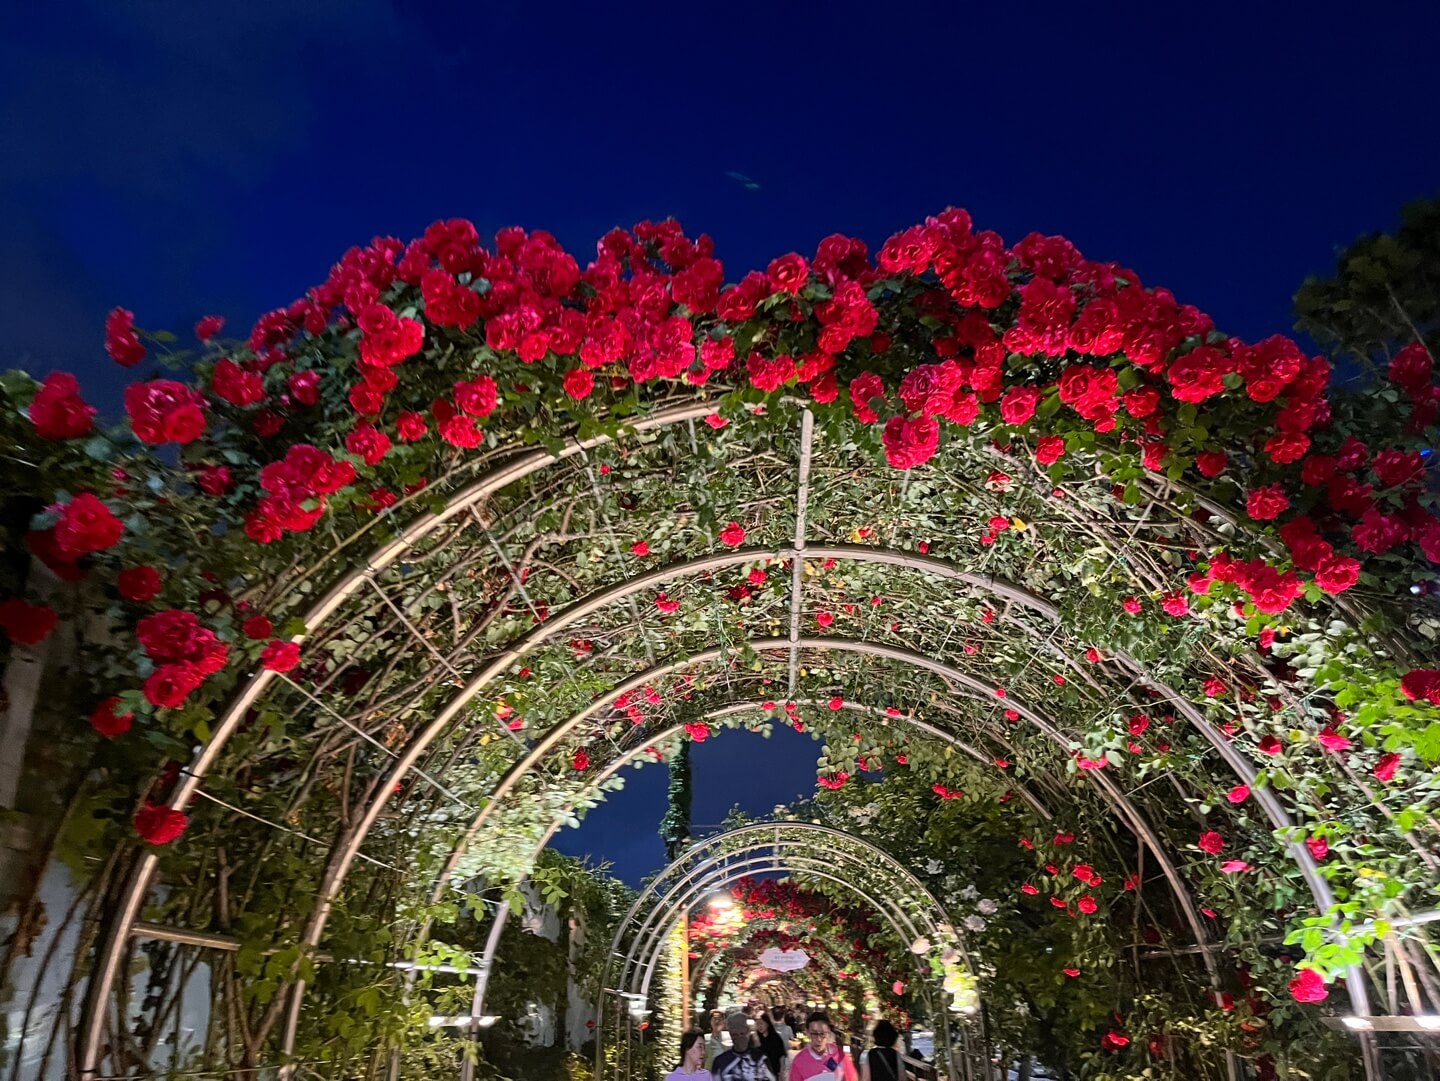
x=171 y=684
x=455 y=428
x=368 y=442
x=1132 y=605
x=1336 y=574
x=1309 y=986
x=26 y=624
x=1318 y=846
x=280 y=656
x=1049 y=449
x=479 y=397
x=1211 y=463
x=86 y=525
x=864 y=390
x=1018 y=404
x=1411 y=369
x=164 y=411
x=787 y=274
x=1421 y=685
x=910 y=441
x=1385 y=768
x=139 y=584
x=1198 y=375
x=109 y=718
x=159 y=824
x=232 y=383
x=386 y=339
x=1239 y=794
x=1211 y=842
x=175 y=635
x=1114 y=1041
x=1286 y=447
x=1087 y=905
x=1141 y=402
x=257 y=627
x=304 y=387
x=1175 y=604
x=1267 y=503
x=733 y=535
x=1394 y=468
x=579 y=383
x=366 y=400
x=410 y=427
x=215 y=479
x=57 y=410
x=208 y=327
x=1090 y=391
x=121 y=341
x=580 y=760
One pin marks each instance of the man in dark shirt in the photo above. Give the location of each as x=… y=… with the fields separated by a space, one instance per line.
x=742 y=1062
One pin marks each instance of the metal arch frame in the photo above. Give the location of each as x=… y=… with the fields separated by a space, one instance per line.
x=486 y=964
x=1137 y=824
x=117 y=931
x=683 y=865
x=643 y=955
x=343 y=854
x=1119 y=802
x=775 y=835
x=768 y=864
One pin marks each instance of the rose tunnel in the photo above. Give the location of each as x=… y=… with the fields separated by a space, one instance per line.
x=1123 y=618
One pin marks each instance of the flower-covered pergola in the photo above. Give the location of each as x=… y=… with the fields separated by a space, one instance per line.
x=379 y=597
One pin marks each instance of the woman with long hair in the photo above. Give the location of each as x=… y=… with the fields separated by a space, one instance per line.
x=692 y=1058
x=882 y=1062
x=771 y=1045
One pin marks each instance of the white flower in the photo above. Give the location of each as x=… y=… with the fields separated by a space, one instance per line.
x=974 y=923
x=969 y=893
x=987 y=907
x=920 y=946
x=933 y=867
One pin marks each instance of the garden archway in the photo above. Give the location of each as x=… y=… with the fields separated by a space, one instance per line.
x=1124 y=535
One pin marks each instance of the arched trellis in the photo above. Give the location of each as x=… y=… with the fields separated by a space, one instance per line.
x=755 y=850
x=1109 y=790
x=345 y=852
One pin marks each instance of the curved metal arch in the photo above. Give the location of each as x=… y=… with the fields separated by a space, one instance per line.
x=1137 y=824
x=707 y=874
x=653 y=938
x=343 y=854
x=486 y=965
x=115 y=935
x=772 y=830
x=119 y=926
x=613 y=767
x=769 y=834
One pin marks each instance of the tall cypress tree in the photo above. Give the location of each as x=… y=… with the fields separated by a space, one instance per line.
x=675 y=826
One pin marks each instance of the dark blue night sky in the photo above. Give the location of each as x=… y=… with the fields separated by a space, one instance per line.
x=183 y=158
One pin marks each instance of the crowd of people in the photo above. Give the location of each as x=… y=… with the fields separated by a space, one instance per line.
x=768 y=1044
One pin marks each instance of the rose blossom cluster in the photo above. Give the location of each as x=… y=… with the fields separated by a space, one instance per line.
x=185 y=654
x=652 y=305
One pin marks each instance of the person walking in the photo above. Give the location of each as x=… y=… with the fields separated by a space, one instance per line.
x=718 y=1042
x=882 y=1061
x=821 y=1059
x=692 y=1058
x=771 y=1045
x=742 y=1062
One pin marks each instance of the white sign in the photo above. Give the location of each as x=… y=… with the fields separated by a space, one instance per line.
x=784 y=960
